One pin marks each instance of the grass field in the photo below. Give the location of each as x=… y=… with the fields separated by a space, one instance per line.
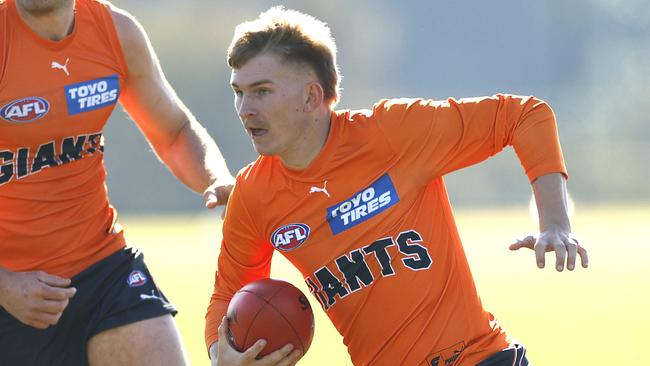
x=598 y=316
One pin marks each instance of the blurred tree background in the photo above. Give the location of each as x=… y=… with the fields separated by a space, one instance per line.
x=590 y=59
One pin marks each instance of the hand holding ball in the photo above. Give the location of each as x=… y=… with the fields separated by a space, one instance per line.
x=273 y=310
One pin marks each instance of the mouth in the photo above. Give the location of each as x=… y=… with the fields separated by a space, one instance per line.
x=257 y=132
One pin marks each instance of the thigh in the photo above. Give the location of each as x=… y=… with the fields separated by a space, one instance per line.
x=154 y=341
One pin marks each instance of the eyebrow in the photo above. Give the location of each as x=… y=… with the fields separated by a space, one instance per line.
x=257 y=83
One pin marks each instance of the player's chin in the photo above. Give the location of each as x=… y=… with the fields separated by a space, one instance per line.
x=263 y=149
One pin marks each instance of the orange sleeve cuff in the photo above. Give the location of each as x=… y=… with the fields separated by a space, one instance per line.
x=537 y=143
x=544 y=169
x=216 y=311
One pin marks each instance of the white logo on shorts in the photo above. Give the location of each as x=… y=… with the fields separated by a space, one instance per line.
x=151 y=297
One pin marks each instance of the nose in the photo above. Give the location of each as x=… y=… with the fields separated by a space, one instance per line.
x=244 y=107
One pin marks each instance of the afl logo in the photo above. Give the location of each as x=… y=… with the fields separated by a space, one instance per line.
x=136 y=278
x=289 y=237
x=25 y=110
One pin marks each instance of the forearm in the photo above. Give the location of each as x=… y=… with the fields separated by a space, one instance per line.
x=194 y=158
x=215 y=313
x=176 y=136
x=552 y=203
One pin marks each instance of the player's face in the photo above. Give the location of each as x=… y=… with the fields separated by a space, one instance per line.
x=42 y=6
x=270 y=96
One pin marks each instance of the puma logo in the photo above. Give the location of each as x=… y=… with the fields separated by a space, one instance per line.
x=64 y=67
x=319 y=189
x=151 y=297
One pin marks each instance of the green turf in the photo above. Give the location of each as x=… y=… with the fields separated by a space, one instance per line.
x=597 y=316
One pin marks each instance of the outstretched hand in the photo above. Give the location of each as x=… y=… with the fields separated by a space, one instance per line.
x=564 y=244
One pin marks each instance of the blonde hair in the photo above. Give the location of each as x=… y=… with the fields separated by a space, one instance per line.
x=294 y=36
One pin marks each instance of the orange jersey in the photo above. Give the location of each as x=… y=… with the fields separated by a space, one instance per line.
x=55 y=98
x=370 y=227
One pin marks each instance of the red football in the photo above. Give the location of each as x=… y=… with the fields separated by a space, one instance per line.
x=273 y=310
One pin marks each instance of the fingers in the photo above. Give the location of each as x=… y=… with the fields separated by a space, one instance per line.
x=53 y=280
x=534 y=243
x=583 y=256
x=223 y=327
x=560 y=255
x=253 y=351
x=37 y=299
x=566 y=251
x=46 y=319
x=226 y=346
x=210 y=199
x=540 y=251
x=572 y=249
x=44 y=314
x=223 y=193
x=542 y=246
x=285 y=356
x=293 y=358
x=56 y=288
x=566 y=248
x=217 y=195
x=52 y=307
x=527 y=242
x=56 y=293
x=37 y=324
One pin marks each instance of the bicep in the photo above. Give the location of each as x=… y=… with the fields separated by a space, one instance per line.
x=466 y=132
x=438 y=137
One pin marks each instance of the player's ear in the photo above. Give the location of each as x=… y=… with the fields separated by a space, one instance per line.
x=314 y=95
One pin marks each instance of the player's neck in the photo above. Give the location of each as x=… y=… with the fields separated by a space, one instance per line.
x=53 y=24
x=304 y=153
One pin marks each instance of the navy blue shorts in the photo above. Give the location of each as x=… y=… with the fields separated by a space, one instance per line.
x=115 y=291
x=515 y=356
